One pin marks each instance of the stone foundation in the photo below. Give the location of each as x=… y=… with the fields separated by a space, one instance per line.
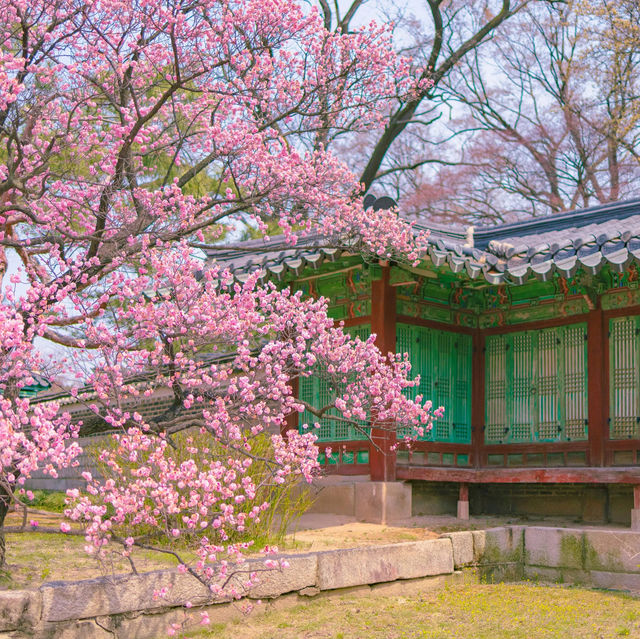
x=371 y=501
x=583 y=503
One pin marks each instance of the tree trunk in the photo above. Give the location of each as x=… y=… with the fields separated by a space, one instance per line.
x=5 y=502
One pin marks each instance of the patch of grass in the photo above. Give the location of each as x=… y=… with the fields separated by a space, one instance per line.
x=501 y=611
x=50 y=500
x=34 y=557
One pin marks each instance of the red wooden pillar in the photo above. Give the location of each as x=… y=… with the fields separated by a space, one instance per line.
x=477 y=398
x=382 y=461
x=463 y=501
x=291 y=420
x=597 y=387
x=635 y=513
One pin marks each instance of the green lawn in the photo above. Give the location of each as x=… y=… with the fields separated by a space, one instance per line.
x=500 y=611
x=34 y=557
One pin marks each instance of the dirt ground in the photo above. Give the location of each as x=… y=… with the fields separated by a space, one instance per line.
x=314 y=531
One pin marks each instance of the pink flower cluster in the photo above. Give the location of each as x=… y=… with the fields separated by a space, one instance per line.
x=132 y=133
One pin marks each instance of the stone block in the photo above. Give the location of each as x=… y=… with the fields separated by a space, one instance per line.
x=616 y=580
x=122 y=593
x=337 y=499
x=554 y=547
x=504 y=545
x=356 y=566
x=479 y=543
x=463 y=510
x=500 y=573
x=382 y=501
x=87 y=629
x=128 y=593
x=462 y=543
x=612 y=550
x=542 y=573
x=410 y=587
x=154 y=624
x=20 y=609
x=299 y=574
x=558 y=575
x=285 y=602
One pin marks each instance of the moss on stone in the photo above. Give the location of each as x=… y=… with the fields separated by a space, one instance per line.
x=572 y=551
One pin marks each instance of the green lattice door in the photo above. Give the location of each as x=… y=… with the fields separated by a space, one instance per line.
x=443 y=360
x=317 y=391
x=624 y=381
x=536 y=385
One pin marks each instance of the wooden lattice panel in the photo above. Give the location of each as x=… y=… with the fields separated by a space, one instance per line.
x=496 y=427
x=548 y=384
x=624 y=383
x=536 y=385
x=574 y=378
x=443 y=360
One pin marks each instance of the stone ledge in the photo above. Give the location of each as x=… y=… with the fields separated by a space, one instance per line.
x=300 y=574
x=463 y=548
x=375 y=564
x=65 y=600
x=120 y=594
x=554 y=547
x=20 y=609
x=612 y=551
x=503 y=545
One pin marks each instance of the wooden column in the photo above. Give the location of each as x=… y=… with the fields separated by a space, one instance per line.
x=635 y=513
x=598 y=386
x=463 y=501
x=382 y=461
x=291 y=420
x=477 y=397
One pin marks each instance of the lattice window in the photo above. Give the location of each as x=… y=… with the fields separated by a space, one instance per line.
x=496 y=421
x=624 y=383
x=317 y=391
x=548 y=384
x=536 y=385
x=460 y=398
x=574 y=378
x=443 y=361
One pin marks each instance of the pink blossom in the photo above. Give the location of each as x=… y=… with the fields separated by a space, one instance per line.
x=131 y=153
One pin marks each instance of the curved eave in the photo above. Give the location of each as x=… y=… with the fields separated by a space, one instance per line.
x=517 y=270
x=292 y=265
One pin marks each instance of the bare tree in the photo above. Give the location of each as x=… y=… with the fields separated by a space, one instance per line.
x=438 y=40
x=547 y=117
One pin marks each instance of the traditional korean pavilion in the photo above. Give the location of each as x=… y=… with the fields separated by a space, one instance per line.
x=527 y=333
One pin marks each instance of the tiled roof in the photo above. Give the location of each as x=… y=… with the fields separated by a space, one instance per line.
x=510 y=253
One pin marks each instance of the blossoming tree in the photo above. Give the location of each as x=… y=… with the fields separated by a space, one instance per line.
x=132 y=133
